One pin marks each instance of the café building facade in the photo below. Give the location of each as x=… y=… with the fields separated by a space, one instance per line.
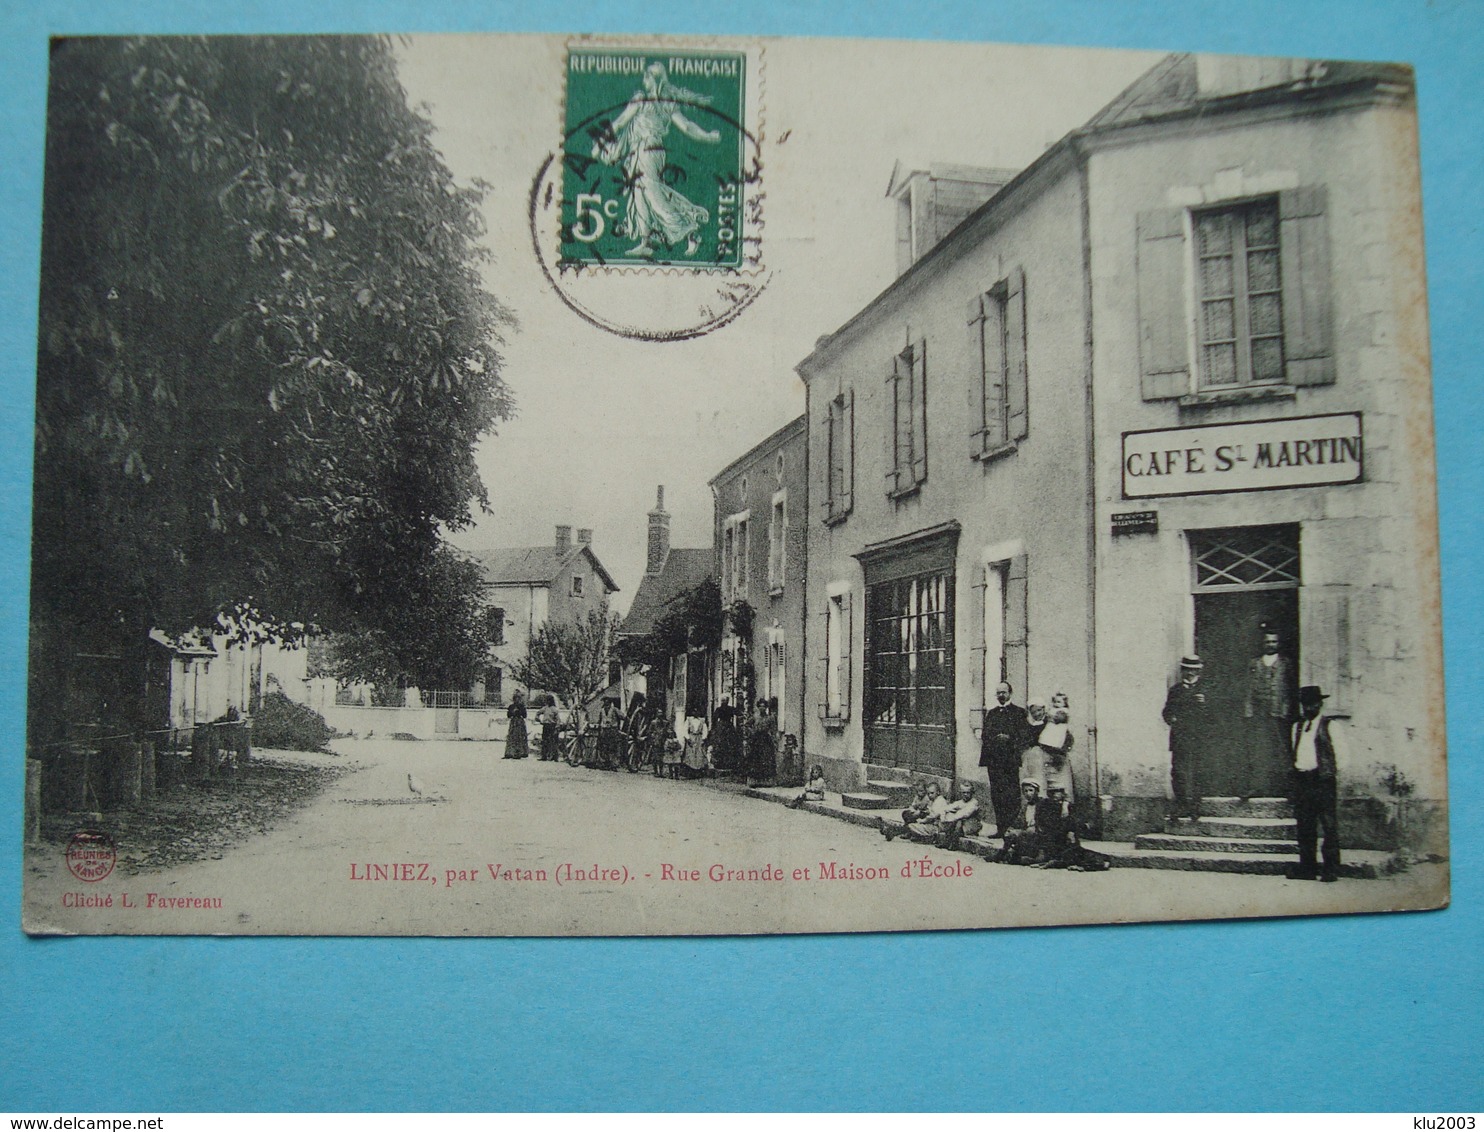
x=1164 y=392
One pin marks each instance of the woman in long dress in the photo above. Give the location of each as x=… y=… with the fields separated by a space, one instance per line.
x=515 y=733
x=655 y=210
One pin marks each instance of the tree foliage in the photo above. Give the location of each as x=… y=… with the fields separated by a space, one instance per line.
x=436 y=638
x=570 y=657
x=266 y=352
x=694 y=617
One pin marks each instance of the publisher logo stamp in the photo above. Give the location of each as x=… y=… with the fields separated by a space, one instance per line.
x=91 y=855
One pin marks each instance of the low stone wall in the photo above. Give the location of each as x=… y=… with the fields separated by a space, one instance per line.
x=485 y=724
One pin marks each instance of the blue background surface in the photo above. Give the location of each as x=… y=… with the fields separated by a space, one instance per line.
x=1370 y=1013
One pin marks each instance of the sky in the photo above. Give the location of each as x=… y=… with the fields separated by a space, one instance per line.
x=603 y=420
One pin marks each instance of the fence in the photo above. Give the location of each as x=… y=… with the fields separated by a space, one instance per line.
x=116 y=771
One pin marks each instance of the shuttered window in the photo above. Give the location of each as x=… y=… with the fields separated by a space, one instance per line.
x=906 y=420
x=839 y=490
x=1238 y=280
x=1000 y=654
x=835 y=709
x=998 y=382
x=1258 y=274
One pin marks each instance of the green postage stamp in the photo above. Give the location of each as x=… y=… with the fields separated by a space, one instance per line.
x=656 y=159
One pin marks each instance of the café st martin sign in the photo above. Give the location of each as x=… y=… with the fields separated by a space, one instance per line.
x=1250 y=456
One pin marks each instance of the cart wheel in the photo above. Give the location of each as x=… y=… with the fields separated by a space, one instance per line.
x=572 y=749
x=638 y=746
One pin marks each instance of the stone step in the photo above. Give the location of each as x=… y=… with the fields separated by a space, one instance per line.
x=875 y=773
x=860 y=800
x=1364 y=864
x=1246 y=808
x=1273 y=829
x=900 y=793
x=1193 y=843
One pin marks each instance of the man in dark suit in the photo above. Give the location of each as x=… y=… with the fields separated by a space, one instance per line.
x=1315 y=789
x=1269 y=707
x=1189 y=719
x=1002 y=742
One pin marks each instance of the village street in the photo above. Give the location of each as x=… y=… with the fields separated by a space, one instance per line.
x=494 y=846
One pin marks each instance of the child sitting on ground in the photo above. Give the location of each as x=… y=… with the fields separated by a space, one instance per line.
x=813 y=789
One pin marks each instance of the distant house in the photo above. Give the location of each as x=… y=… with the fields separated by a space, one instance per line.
x=197 y=677
x=528 y=586
x=670 y=574
x=761 y=506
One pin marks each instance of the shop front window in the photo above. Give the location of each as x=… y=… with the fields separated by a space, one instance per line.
x=909 y=706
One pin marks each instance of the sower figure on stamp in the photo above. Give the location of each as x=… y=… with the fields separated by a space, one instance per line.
x=1003 y=741
x=1317 y=751
x=1189 y=719
x=655 y=210
x=1269 y=708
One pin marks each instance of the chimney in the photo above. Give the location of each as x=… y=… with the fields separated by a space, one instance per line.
x=563 y=539
x=659 y=535
x=584 y=536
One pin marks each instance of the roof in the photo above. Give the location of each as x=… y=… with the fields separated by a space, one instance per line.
x=684 y=569
x=535 y=565
x=797 y=425
x=1173 y=86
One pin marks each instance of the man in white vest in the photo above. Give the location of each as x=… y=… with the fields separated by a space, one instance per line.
x=1317 y=751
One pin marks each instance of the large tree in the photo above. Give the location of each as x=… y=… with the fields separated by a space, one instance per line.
x=569 y=656
x=266 y=352
x=437 y=639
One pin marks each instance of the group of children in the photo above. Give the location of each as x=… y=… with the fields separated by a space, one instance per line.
x=1041 y=832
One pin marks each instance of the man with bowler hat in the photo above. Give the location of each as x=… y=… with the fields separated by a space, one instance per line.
x=1315 y=793
x=1003 y=741
x=1189 y=718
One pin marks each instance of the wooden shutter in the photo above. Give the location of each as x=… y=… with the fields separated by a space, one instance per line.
x=1308 y=318
x=1164 y=347
x=1017 y=393
x=919 y=412
x=845 y=655
x=1017 y=625
x=978 y=678
x=978 y=383
x=847 y=437
x=1324 y=615
x=891 y=419
x=829 y=498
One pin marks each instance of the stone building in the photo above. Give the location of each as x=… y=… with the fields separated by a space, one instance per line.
x=762 y=509
x=528 y=586
x=682 y=679
x=1165 y=390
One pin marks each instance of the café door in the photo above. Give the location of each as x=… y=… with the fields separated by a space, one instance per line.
x=1246 y=581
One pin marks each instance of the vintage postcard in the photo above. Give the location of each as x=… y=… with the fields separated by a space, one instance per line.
x=629 y=486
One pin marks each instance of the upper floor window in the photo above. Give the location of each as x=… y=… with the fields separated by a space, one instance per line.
x=494 y=619
x=1240 y=293
x=777 y=542
x=1259 y=274
x=734 y=555
x=839 y=493
x=576 y=585
x=906 y=420
x=999 y=390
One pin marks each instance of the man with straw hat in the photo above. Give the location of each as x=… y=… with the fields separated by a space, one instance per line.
x=1189 y=718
